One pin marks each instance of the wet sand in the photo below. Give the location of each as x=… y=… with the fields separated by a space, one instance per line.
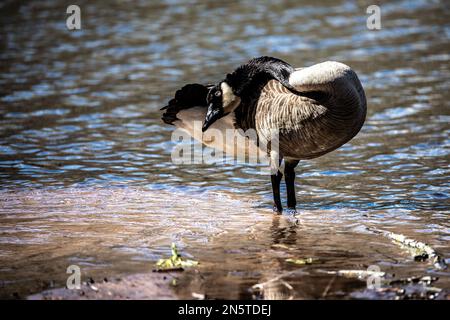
x=150 y=286
x=120 y=233
x=164 y=286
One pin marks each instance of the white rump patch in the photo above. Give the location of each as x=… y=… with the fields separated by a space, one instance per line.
x=318 y=74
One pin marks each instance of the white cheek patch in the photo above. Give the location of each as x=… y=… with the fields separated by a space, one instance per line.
x=229 y=100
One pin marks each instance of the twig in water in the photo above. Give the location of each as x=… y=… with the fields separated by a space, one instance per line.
x=328 y=287
x=420 y=251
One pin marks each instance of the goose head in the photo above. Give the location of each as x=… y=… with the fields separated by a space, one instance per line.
x=221 y=101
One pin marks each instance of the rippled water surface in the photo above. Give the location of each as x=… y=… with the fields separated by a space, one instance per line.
x=86 y=176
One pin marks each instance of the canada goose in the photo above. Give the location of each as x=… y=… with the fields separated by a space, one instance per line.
x=315 y=110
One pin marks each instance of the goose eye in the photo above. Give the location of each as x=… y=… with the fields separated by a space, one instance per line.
x=218 y=94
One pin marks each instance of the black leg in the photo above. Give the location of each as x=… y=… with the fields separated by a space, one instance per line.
x=289 y=177
x=276 y=179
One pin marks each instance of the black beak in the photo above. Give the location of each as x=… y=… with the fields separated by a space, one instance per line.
x=212 y=115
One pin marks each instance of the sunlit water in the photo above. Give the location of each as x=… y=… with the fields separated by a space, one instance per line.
x=86 y=173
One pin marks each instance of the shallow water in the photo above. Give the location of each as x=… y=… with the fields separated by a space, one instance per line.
x=86 y=173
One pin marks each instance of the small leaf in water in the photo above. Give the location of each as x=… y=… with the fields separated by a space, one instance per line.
x=300 y=261
x=175 y=261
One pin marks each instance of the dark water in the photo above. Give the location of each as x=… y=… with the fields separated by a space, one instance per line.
x=86 y=176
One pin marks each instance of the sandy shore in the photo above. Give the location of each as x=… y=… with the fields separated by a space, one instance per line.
x=149 y=286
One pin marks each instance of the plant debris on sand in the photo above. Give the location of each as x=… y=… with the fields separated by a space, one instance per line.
x=300 y=261
x=175 y=262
